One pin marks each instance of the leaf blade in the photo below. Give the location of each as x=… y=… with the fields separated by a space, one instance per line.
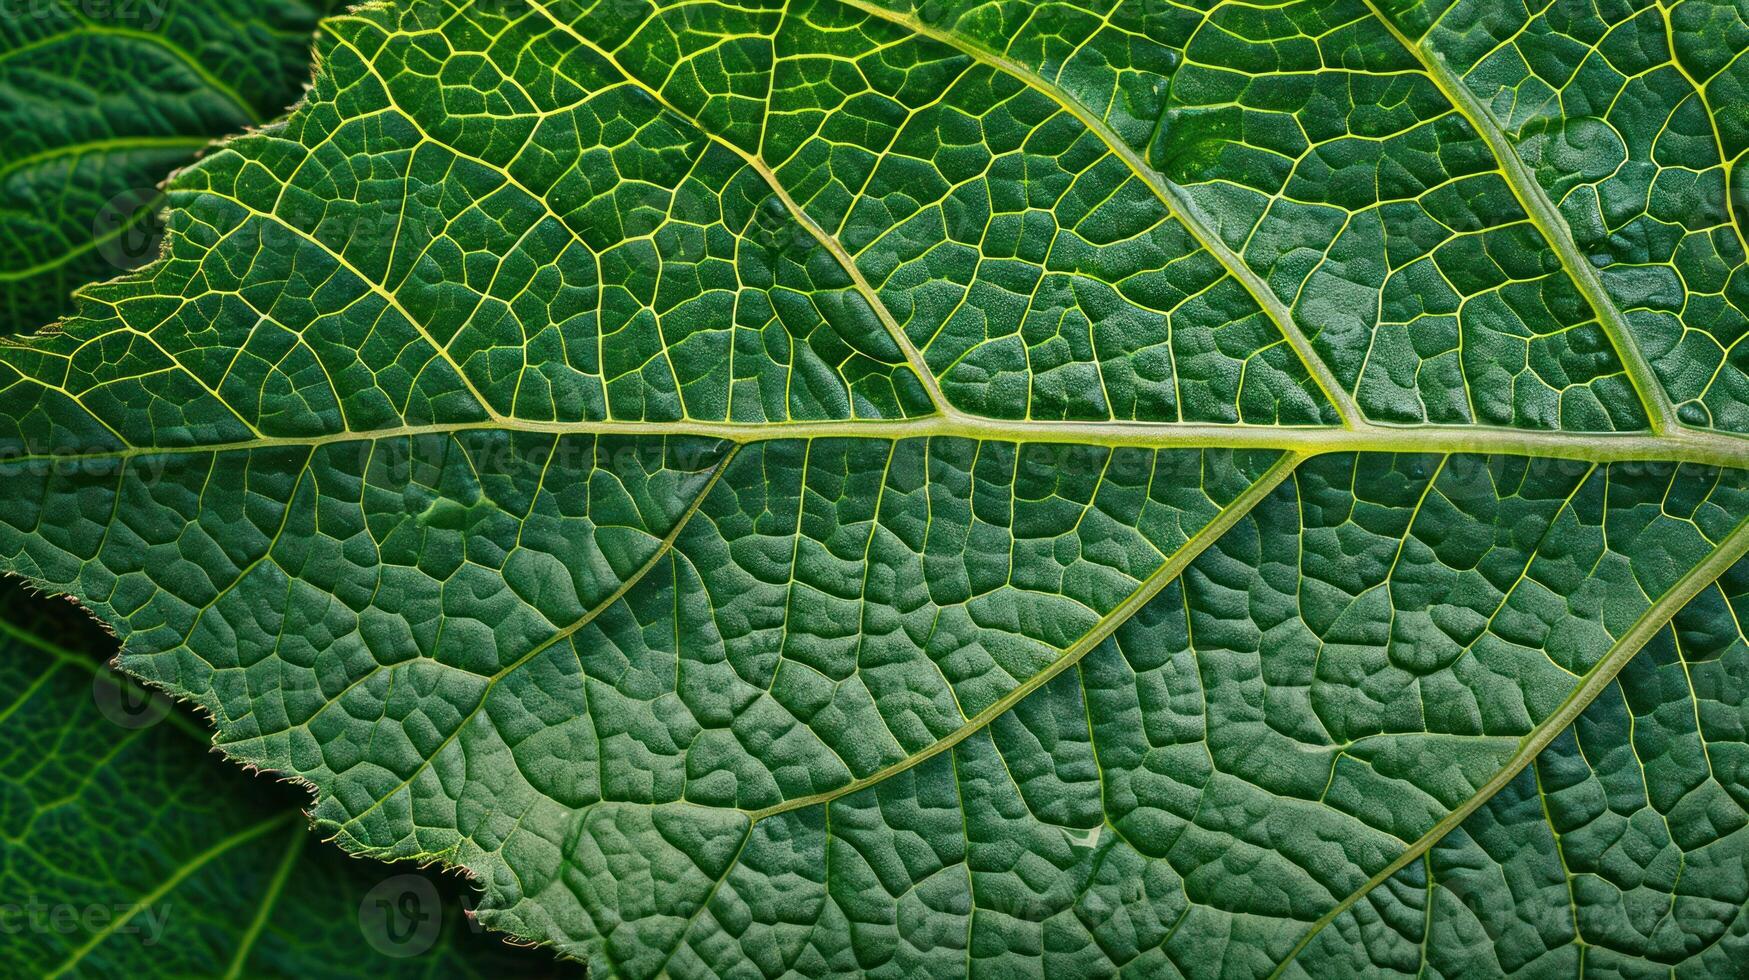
x=773 y=632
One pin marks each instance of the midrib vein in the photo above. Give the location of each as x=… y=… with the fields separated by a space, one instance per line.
x=1169 y=194
x=1680 y=446
x=1150 y=587
x=1548 y=221
x=1599 y=677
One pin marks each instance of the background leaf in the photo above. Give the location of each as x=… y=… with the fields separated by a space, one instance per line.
x=100 y=102
x=128 y=853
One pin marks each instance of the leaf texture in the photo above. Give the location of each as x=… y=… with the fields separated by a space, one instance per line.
x=828 y=488
x=1619 y=851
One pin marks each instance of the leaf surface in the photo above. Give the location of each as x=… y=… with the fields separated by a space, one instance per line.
x=839 y=488
x=1620 y=850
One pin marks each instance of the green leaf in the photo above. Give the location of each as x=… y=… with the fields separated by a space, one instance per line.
x=837 y=488
x=99 y=102
x=127 y=853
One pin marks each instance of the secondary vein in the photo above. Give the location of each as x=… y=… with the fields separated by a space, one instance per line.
x=1169 y=194
x=1548 y=221
x=1731 y=548
x=839 y=254
x=1150 y=587
x=661 y=551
